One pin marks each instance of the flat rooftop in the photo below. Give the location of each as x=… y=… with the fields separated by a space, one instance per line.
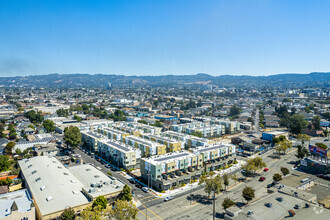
x=93 y=134
x=212 y=147
x=52 y=186
x=116 y=131
x=22 y=198
x=119 y=146
x=169 y=157
x=165 y=139
x=95 y=182
x=142 y=141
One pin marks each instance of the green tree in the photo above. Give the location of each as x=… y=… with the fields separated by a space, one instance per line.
x=126 y=194
x=6 y=182
x=198 y=134
x=122 y=210
x=212 y=185
x=301 y=152
x=4 y=163
x=248 y=193
x=72 y=136
x=277 y=177
x=303 y=138
x=321 y=145
x=77 y=118
x=234 y=110
x=285 y=171
x=68 y=214
x=225 y=178
x=91 y=213
x=9 y=147
x=227 y=202
x=49 y=125
x=254 y=164
x=316 y=122
x=283 y=146
x=297 y=124
x=234 y=177
x=100 y=201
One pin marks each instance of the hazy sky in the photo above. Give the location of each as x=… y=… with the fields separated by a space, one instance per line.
x=255 y=37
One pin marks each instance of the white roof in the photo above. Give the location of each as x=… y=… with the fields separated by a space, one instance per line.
x=51 y=184
x=22 y=199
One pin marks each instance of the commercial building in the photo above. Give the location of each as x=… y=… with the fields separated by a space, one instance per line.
x=121 y=154
x=147 y=148
x=269 y=136
x=54 y=187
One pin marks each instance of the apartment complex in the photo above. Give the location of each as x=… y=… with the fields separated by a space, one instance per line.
x=147 y=148
x=91 y=140
x=172 y=145
x=121 y=154
x=174 y=169
x=113 y=134
x=189 y=141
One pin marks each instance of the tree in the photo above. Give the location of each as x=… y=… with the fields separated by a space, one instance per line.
x=72 y=136
x=285 y=171
x=234 y=110
x=227 y=202
x=277 y=177
x=301 y=152
x=49 y=125
x=297 y=123
x=234 y=177
x=4 y=163
x=283 y=146
x=122 y=210
x=254 y=164
x=77 y=118
x=316 y=122
x=225 y=178
x=248 y=193
x=6 y=182
x=100 y=201
x=198 y=134
x=321 y=145
x=126 y=193
x=91 y=213
x=9 y=147
x=213 y=185
x=303 y=138
x=68 y=214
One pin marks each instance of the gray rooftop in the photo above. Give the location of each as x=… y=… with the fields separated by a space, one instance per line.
x=171 y=157
x=22 y=199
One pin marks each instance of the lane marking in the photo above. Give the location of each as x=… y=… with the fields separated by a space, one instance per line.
x=152 y=212
x=143 y=213
x=151 y=200
x=147 y=197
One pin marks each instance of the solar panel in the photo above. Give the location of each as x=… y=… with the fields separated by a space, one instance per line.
x=119 y=146
x=211 y=148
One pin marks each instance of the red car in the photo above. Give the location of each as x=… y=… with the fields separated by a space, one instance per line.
x=261 y=179
x=266 y=169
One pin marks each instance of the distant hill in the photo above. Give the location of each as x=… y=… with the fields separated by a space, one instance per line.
x=100 y=80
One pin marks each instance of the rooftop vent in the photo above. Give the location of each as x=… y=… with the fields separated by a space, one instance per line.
x=66 y=174
x=33 y=172
x=38 y=179
x=49 y=198
x=30 y=166
x=75 y=192
x=43 y=188
x=73 y=181
x=59 y=167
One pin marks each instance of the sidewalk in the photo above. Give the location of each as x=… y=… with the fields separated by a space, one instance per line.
x=191 y=186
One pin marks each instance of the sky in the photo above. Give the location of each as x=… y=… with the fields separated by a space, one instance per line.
x=157 y=37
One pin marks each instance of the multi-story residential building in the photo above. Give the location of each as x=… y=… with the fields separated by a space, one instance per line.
x=174 y=169
x=112 y=133
x=91 y=139
x=146 y=128
x=127 y=129
x=147 y=148
x=207 y=131
x=231 y=127
x=188 y=141
x=120 y=154
x=172 y=145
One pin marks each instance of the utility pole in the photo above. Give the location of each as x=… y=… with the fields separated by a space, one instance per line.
x=213 y=205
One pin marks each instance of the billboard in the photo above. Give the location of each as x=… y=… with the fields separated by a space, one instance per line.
x=317 y=150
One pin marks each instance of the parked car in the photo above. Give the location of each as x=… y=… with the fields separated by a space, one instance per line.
x=131 y=181
x=138 y=185
x=326 y=139
x=268 y=204
x=261 y=179
x=145 y=189
x=266 y=169
x=168 y=198
x=297 y=206
x=269 y=185
x=280 y=199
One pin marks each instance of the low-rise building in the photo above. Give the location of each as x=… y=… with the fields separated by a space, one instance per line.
x=112 y=133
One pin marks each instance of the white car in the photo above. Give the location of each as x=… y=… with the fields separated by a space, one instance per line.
x=168 y=198
x=145 y=189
